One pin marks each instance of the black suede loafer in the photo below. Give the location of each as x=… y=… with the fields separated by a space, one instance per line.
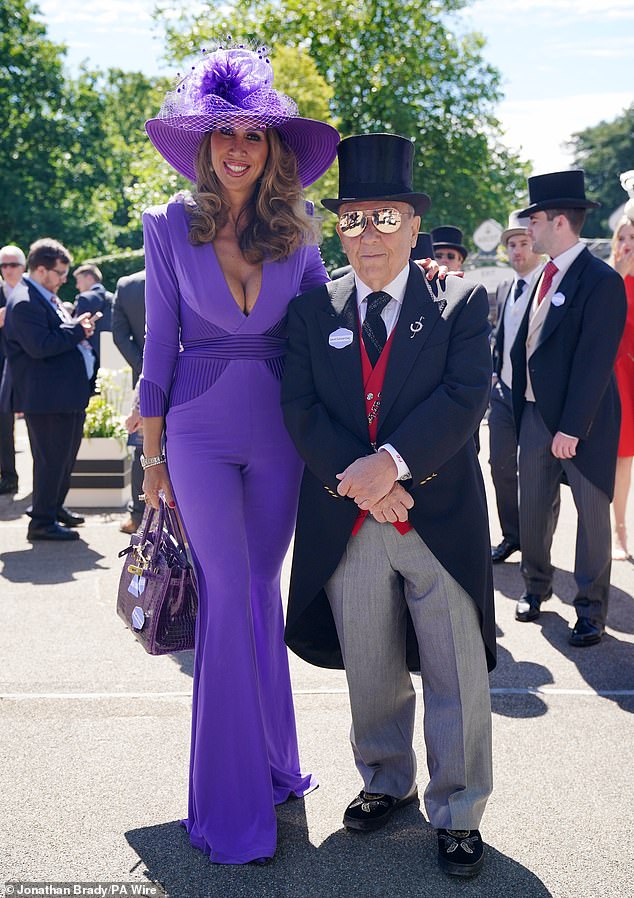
x=52 y=532
x=529 y=606
x=502 y=551
x=68 y=519
x=371 y=811
x=585 y=633
x=460 y=851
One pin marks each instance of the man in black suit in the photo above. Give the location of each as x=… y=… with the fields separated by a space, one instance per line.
x=449 y=249
x=51 y=365
x=566 y=402
x=128 y=333
x=12 y=267
x=93 y=297
x=511 y=300
x=387 y=376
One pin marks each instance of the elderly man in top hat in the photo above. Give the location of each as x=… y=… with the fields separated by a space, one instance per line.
x=387 y=376
x=566 y=402
x=449 y=249
x=511 y=299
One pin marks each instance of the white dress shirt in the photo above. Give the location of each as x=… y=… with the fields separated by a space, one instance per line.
x=396 y=289
x=514 y=310
x=539 y=310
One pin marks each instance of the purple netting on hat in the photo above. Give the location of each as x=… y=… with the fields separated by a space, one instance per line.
x=225 y=86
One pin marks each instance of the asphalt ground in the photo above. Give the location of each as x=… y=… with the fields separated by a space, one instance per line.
x=95 y=737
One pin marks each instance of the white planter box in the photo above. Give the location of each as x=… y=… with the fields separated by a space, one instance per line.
x=101 y=476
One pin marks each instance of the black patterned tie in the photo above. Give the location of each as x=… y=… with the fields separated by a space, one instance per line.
x=519 y=289
x=373 y=331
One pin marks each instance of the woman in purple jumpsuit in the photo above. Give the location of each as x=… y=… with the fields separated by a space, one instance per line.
x=221 y=270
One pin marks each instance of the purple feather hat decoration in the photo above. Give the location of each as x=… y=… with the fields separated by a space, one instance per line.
x=234 y=87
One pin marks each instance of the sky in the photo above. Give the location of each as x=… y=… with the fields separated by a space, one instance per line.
x=565 y=64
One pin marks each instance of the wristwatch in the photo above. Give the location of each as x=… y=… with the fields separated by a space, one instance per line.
x=152 y=460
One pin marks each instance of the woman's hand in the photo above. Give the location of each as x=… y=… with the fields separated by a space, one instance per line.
x=431 y=268
x=155 y=481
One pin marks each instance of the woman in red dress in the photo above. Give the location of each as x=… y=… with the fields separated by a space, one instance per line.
x=622 y=259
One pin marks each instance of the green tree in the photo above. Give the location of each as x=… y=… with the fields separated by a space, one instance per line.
x=393 y=65
x=31 y=131
x=75 y=162
x=121 y=170
x=604 y=152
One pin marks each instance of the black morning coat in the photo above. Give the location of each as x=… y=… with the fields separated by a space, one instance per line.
x=435 y=393
x=46 y=372
x=572 y=367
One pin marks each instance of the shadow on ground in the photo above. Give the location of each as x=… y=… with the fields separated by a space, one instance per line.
x=400 y=860
x=44 y=563
x=607 y=667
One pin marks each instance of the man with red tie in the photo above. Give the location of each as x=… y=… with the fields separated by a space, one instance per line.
x=387 y=378
x=566 y=403
x=51 y=367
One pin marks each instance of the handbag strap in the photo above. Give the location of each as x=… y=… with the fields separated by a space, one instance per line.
x=167 y=524
x=173 y=526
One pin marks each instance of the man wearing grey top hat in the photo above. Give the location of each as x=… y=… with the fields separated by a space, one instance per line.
x=511 y=298
x=387 y=376
x=566 y=402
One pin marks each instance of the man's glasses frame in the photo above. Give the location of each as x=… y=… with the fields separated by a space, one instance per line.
x=386 y=220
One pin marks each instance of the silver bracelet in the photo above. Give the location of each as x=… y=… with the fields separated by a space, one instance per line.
x=152 y=460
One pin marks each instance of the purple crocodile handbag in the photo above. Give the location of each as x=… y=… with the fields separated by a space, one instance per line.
x=157 y=596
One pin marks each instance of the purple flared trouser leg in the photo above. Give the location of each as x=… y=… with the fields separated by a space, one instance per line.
x=239 y=519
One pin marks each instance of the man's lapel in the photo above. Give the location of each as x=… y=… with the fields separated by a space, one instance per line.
x=567 y=289
x=37 y=297
x=423 y=305
x=341 y=315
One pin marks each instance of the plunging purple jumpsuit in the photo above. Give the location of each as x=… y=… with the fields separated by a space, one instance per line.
x=214 y=374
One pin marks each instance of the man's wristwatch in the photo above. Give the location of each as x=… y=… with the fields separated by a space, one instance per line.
x=152 y=460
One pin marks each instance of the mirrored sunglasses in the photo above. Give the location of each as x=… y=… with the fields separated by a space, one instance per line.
x=386 y=221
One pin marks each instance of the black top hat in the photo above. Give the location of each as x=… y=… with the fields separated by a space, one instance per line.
x=377 y=167
x=557 y=190
x=423 y=248
x=448 y=237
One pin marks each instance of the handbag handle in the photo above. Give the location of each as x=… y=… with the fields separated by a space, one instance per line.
x=167 y=522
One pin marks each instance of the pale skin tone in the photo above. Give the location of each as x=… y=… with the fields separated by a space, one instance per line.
x=11 y=271
x=377 y=259
x=623 y=262
x=523 y=260
x=553 y=238
x=449 y=257
x=238 y=158
x=85 y=281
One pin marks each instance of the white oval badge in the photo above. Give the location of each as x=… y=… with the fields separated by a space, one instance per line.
x=341 y=338
x=558 y=299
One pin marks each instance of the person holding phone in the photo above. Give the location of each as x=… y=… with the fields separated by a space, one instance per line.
x=50 y=373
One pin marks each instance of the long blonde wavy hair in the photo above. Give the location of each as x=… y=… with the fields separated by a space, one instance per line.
x=274 y=224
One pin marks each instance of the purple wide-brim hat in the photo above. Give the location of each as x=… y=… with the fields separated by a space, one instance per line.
x=314 y=144
x=233 y=87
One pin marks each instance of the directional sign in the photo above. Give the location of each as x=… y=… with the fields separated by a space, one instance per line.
x=487 y=235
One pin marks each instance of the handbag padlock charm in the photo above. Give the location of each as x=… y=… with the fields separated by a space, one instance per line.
x=141 y=562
